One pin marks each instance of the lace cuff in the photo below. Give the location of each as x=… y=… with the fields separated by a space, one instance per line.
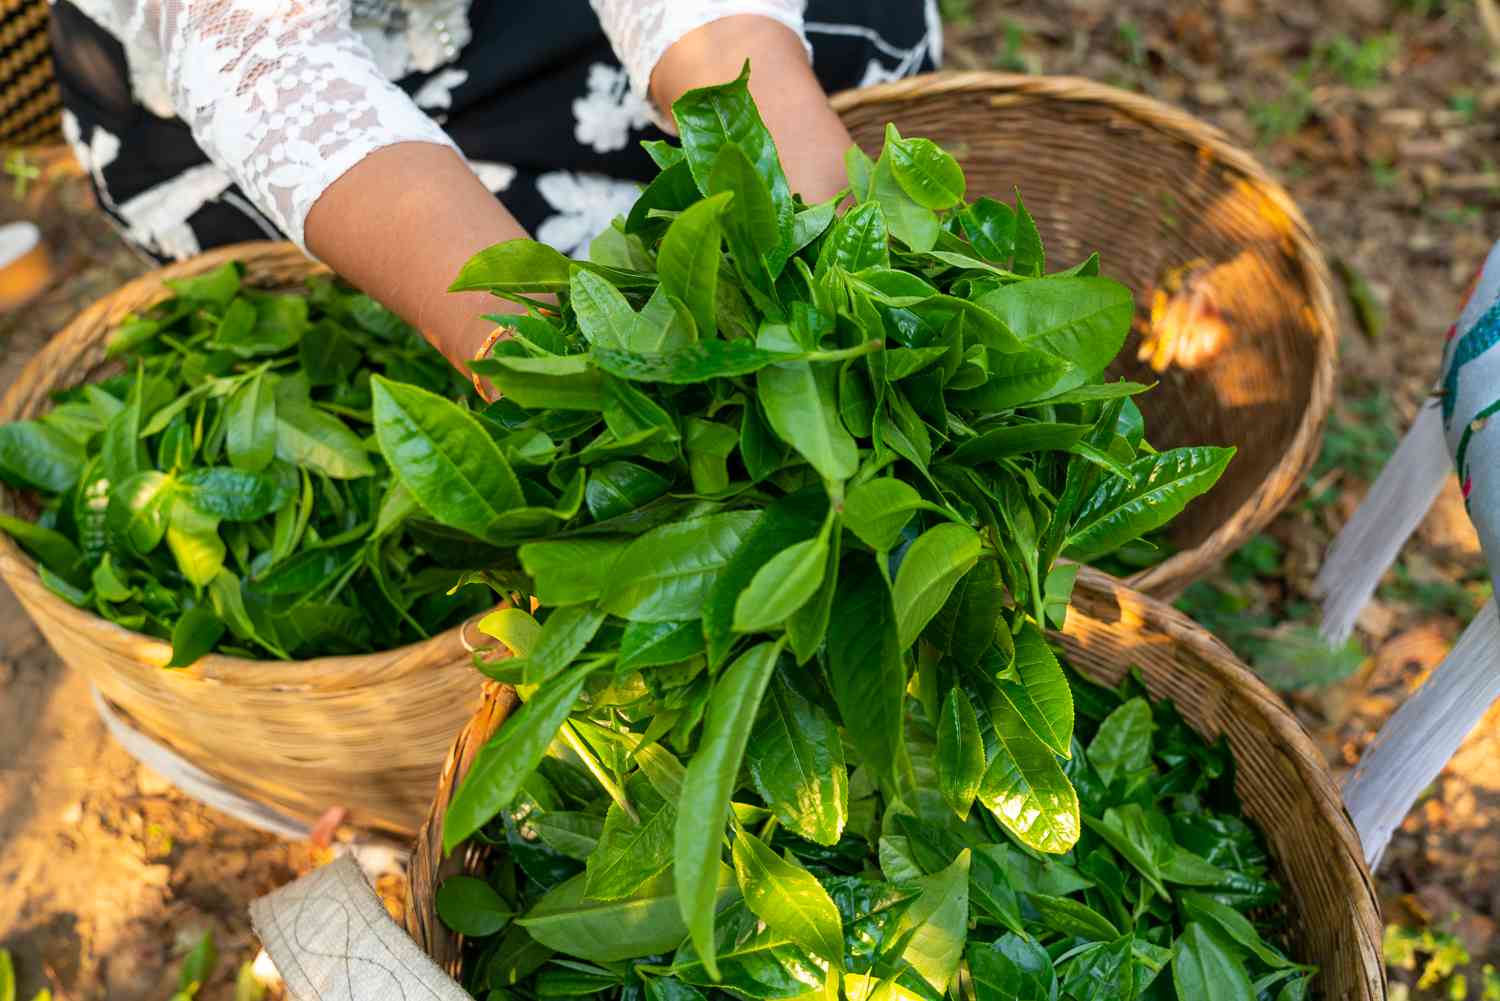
x=283 y=95
x=640 y=31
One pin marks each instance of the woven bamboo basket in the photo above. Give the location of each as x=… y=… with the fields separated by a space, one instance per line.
x=367 y=733
x=1166 y=199
x=1332 y=909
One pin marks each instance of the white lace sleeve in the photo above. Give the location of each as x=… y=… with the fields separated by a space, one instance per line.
x=641 y=30
x=282 y=94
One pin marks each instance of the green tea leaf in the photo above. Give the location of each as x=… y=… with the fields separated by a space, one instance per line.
x=1212 y=914
x=608 y=931
x=1018 y=439
x=1043 y=698
x=444 y=458
x=938 y=922
x=233 y=494
x=1203 y=970
x=307 y=436
x=1123 y=743
x=781 y=587
x=52 y=549
x=928 y=174
x=927 y=575
x=800 y=402
x=858 y=241
x=196 y=633
x=788 y=899
x=796 y=760
x=878 y=510
x=632 y=851
x=139 y=509
x=696 y=363
x=960 y=760
x=709 y=782
x=551 y=382
x=503 y=764
x=1025 y=788
x=1083 y=320
x=471 y=906
x=604 y=315
x=674 y=567
x=865 y=669
x=1012 y=969
x=193 y=538
x=1161 y=486
x=39 y=457
x=1073 y=918
x=689 y=259
x=653 y=644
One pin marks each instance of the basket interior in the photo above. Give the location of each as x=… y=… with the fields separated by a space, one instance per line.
x=1097 y=177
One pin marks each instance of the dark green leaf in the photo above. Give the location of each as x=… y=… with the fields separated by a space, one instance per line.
x=865 y=668
x=928 y=573
x=38 y=456
x=1012 y=969
x=960 y=752
x=877 y=511
x=674 y=567
x=52 y=549
x=1203 y=970
x=196 y=633
x=607 y=931
x=698 y=363
x=653 y=644
x=709 y=782
x=796 y=761
x=307 y=436
x=1161 y=486
x=511 y=755
x=444 y=457
x=1123 y=743
x=233 y=494
x=471 y=906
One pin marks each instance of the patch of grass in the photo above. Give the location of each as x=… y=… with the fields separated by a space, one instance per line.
x=1384 y=173
x=1466 y=103
x=1362 y=63
x=1461 y=598
x=959 y=12
x=1360 y=436
x=1009 y=58
x=1133 y=43
x=1439 y=954
x=1284 y=116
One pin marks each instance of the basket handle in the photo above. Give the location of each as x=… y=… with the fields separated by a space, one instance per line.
x=1415 y=744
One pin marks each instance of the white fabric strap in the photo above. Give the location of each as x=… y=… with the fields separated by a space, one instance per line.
x=1414 y=746
x=332 y=940
x=1367 y=546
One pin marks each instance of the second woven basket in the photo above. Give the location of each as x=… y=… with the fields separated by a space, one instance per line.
x=1210 y=244
x=1332 y=909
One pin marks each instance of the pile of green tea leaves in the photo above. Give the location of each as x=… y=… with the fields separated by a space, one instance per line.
x=753 y=436
x=845 y=893
x=222 y=490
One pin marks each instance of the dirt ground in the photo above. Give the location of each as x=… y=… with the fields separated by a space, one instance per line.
x=1381 y=116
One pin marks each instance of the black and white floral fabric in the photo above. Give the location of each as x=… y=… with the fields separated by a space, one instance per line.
x=207 y=122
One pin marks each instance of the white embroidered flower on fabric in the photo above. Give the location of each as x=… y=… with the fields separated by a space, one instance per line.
x=606 y=115
x=586 y=205
x=93 y=156
x=438 y=92
x=157 y=218
x=497 y=177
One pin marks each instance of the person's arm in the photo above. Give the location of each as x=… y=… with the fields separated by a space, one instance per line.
x=809 y=135
x=400 y=224
x=336 y=155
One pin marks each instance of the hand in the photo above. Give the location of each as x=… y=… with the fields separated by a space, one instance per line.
x=809 y=135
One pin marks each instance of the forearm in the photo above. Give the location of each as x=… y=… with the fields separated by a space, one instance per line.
x=808 y=133
x=400 y=224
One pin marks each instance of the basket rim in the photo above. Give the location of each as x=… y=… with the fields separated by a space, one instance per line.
x=18 y=569
x=1284 y=479
x=427 y=863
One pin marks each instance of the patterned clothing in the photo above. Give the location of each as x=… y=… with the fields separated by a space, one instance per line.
x=198 y=129
x=1470 y=389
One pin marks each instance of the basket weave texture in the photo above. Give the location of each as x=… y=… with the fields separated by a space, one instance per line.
x=367 y=733
x=1332 y=909
x=1155 y=190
